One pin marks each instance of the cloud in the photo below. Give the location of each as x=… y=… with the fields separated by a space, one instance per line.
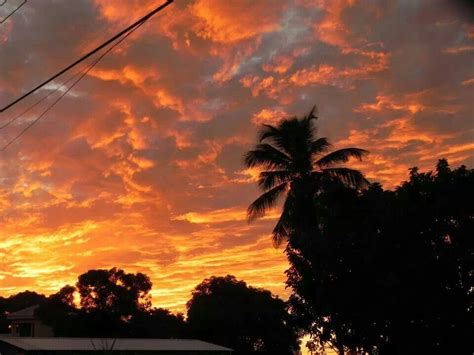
x=458 y=50
x=235 y=21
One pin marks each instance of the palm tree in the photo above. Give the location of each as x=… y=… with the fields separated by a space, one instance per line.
x=295 y=165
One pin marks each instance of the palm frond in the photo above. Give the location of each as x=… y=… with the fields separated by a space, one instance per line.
x=281 y=137
x=311 y=115
x=282 y=229
x=268 y=179
x=349 y=177
x=265 y=201
x=341 y=156
x=308 y=127
x=292 y=136
x=320 y=145
x=268 y=131
x=266 y=155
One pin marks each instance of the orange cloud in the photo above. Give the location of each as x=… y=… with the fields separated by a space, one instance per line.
x=223 y=215
x=388 y=102
x=332 y=30
x=228 y=22
x=269 y=116
x=370 y=63
x=281 y=64
x=458 y=50
x=468 y=82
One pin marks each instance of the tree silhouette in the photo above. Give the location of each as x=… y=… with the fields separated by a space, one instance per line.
x=113 y=304
x=227 y=312
x=295 y=163
x=59 y=312
x=114 y=291
x=158 y=323
x=64 y=296
x=15 y=303
x=23 y=300
x=393 y=271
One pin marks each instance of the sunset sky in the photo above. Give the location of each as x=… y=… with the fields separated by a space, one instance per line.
x=140 y=166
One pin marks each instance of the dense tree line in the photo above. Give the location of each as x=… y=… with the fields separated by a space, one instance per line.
x=225 y=310
x=371 y=270
x=392 y=271
x=113 y=303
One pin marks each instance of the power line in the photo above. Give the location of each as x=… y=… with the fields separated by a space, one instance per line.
x=62 y=86
x=84 y=73
x=3 y=3
x=131 y=27
x=11 y=13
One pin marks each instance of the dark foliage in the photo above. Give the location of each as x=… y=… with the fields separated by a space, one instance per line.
x=392 y=270
x=158 y=323
x=295 y=166
x=58 y=311
x=117 y=304
x=226 y=311
x=114 y=292
x=113 y=304
x=15 y=303
x=371 y=270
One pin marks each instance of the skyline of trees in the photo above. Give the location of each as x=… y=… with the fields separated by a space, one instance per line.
x=394 y=267
x=226 y=311
x=392 y=260
x=113 y=303
x=371 y=270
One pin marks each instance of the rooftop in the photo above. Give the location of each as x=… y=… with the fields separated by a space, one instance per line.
x=118 y=344
x=25 y=313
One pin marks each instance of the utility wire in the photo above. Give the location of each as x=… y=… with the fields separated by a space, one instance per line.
x=59 y=87
x=3 y=3
x=11 y=13
x=62 y=86
x=131 y=27
x=87 y=70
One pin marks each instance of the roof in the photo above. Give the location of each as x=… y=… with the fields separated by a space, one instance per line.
x=124 y=344
x=25 y=313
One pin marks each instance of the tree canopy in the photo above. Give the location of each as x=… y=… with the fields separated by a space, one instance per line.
x=371 y=270
x=294 y=163
x=114 y=291
x=392 y=272
x=113 y=303
x=226 y=311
